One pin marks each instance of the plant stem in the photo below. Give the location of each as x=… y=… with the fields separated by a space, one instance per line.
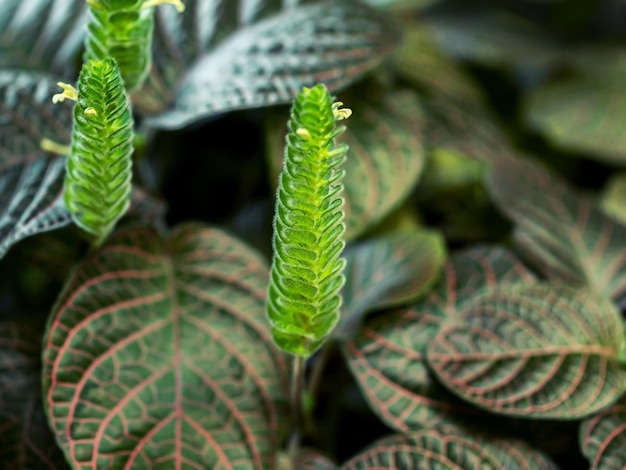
x=297 y=388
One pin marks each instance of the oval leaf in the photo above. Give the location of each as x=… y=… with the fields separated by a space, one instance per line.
x=385 y=158
x=269 y=62
x=448 y=449
x=603 y=438
x=386 y=357
x=566 y=236
x=26 y=442
x=44 y=35
x=158 y=353
x=583 y=114
x=388 y=271
x=534 y=351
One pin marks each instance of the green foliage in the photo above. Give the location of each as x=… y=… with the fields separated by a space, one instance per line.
x=481 y=320
x=307 y=270
x=98 y=177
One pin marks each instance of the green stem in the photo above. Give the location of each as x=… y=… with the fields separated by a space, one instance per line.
x=297 y=388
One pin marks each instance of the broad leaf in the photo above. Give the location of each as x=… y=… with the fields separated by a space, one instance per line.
x=158 y=353
x=30 y=182
x=385 y=159
x=388 y=271
x=534 y=351
x=26 y=442
x=564 y=234
x=269 y=62
x=43 y=35
x=584 y=114
x=448 y=449
x=387 y=355
x=603 y=438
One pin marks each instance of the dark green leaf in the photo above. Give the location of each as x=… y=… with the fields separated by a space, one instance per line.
x=584 y=114
x=309 y=459
x=43 y=35
x=269 y=62
x=563 y=233
x=448 y=449
x=387 y=355
x=158 y=353
x=603 y=438
x=388 y=271
x=26 y=442
x=533 y=351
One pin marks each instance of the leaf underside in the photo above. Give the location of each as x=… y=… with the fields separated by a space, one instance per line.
x=158 y=353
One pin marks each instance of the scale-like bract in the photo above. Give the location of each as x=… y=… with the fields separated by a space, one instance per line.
x=99 y=166
x=123 y=30
x=307 y=268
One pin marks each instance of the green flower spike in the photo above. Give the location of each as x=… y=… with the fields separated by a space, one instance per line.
x=99 y=165
x=307 y=270
x=123 y=29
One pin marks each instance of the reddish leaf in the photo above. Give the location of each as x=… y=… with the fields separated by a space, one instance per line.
x=564 y=234
x=448 y=449
x=387 y=355
x=535 y=351
x=603 y=438
x=158 y=353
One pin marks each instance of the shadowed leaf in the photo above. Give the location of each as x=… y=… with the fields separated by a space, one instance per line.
x=26 y=442
x=385 y=158
x=563 y=234
x=457 y=118
x=44 y=35
x=387 y=355
x=533 y=351
x=603 y=438
x=388 y=271
x=585 y=114
x=309 y=459
x=158 y=353
x=269 y=62
x=614 y=198
x=448 y=449
x=30 y=182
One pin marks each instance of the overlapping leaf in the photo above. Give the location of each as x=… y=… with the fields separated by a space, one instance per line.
x=158 y=353
x=43 y=35
x=387 y=355
x=456 y=115
x=269 y=62
x=385 y=159
x=388 y=271
x=564 y=234
x=584 y=113
x=542 y=351
x=309 y=459
x=26 y=442
x=603 y=438
x=30 y=181
x=448 y=449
